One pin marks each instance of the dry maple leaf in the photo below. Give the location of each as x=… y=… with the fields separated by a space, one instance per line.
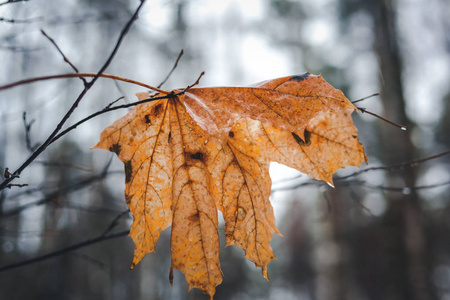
x=209 y=148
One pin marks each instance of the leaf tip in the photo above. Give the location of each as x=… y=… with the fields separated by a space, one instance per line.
x=265 y=273
x=96 y=146
x=171 y=277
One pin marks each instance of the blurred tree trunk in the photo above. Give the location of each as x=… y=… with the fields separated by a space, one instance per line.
x=334 y=270
x=407 y=275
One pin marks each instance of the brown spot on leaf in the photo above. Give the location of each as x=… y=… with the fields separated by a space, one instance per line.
x=301 y=142
x=194 y=217
x=170 y=135
x=147 y=119
x=115 y=148
x=231 y=134
x=197 y=155
x=157 y=110
x=128 y=171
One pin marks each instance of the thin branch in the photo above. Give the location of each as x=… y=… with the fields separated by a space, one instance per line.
x=8 y=186
x=27 y=126
x=299 y=185
x=363 y=110
x=102 y=237
x=20 y=21
x=87 y=87
x=406 y=189
x=105 y=110
x=62 y=54
x=401 y=166
x=173 y=68
x=62 y=191
x=53 y=254
x=89 y=209
x=115 y=222
x=195 y=83
x=121 y=91
x=63 y=164
x=76 y=75
x=362 y=183
x=89 y=259
x=362 y=99
x=115 y=101
x=12 y=1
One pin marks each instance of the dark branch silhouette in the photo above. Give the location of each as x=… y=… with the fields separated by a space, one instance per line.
x=12 y=1
x=20 y=21
x=397 y=167
x=77 y=246
x=173 y=68
x=27 y=126
x=87 y=87
x=64 y=56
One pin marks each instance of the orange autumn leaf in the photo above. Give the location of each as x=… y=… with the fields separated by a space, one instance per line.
x=210 y=148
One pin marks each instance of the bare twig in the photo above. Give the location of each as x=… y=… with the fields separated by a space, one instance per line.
x=8 y=174
x=362 y=99
x=102 y=237
x=27 y=132
x=115 y=101
x=20 y=21
x=404 y=190
x=76 y=75
x=51 y=196
x=53 y=254
x=8 y=186
x=401 y=166
x=195 y=83
x=363 y=110
x=12 y=1
x=63 y=164
x=87 y=87
x=62 y=54
x=362 y=183
x=105 y=110
x=121 y=91
x=173 y=68
x=115 y=222
x=85 y=208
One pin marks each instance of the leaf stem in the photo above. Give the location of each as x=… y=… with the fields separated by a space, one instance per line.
x=81 y=75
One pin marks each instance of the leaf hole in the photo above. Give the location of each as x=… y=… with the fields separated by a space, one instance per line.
x=194 y=217
x=301 y=142
x=241 y=213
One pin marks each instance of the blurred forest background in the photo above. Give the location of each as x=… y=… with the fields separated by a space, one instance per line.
x=382 y=233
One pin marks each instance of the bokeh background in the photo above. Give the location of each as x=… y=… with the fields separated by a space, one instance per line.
x=382 y=233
